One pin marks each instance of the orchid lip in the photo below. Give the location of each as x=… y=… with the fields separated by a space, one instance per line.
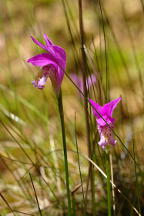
x=40 y=84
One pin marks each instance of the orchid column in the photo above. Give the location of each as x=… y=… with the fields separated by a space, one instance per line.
x=53 y=64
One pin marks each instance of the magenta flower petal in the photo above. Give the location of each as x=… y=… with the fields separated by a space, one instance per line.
x=40 y=83
x=109 y=107
x=105 y=111
x=106 y=137
x=79 y=81
x=47 y=40
x=56 y=79
x=105 y=121
x=102 y=121
x=53 y=63
x=91 y=80
x=60 y=54
x=96 y=108
x=57 y=52
x=38 y=43
x=41 y=60
x=48 y=47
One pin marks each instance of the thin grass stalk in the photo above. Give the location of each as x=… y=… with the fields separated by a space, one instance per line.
x=21 y=212
x=9 y=207
x=56 y=164
x=6 y=128
x=61 y=113
x=117 y=46
x=133 y=49
x=113 y=190
x=142 y=4
x=77 y=150
x=75 y=54
x=108 y=171
x=105 y=176
x=84 y=70
x=17 y=178
x=73 y=205
x=118 y=190
x=136 y=179
x=45 y=179
x=105 y=53
x=35 y=195
x=70 y=13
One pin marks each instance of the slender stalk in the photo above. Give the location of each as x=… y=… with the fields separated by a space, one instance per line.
x=77 y=149
x=113 y=189
x=40 y=212
x=3 y=198
x=61 y=113
x=105 y=52
x=73 y=205
x=136 y=179
x=108 y=184
x=84 y=70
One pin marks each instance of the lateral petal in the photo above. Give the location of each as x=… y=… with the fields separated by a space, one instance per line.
x=96 y=108
x=109 y=107
x=38 y=43
x=42 y=60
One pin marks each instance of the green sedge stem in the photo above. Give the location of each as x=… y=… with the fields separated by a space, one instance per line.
x=61 y=113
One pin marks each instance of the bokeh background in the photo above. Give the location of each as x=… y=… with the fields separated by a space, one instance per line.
x=30 y=140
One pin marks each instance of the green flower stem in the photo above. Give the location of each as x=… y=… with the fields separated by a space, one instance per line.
x=61 y=113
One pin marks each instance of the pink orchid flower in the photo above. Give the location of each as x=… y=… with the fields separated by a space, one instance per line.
x=105 y=121
x=52 y=62
x=79 y=81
